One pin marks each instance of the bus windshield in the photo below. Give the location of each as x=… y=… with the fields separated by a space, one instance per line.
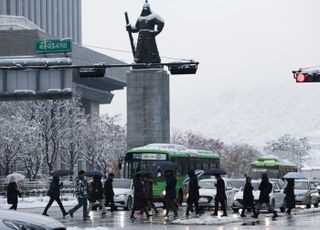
x=146 y=166
x=256 y=172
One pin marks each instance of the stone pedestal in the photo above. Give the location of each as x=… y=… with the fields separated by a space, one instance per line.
x=148 y=107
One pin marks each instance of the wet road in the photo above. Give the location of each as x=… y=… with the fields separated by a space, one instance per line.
x=120 y=219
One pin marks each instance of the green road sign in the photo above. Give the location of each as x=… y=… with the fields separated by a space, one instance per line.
x=54 y=46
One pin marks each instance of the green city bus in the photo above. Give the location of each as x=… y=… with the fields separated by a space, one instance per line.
x=147 y=158
x=272 y=166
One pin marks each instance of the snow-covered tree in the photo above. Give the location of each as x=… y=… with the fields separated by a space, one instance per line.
x=289 y=148
x=197 y=141
x=237 y=158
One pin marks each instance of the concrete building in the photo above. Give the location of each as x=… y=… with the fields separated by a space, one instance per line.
x=17 y=38
x=58 y=18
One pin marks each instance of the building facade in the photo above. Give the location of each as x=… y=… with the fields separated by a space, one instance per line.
x=58 y=18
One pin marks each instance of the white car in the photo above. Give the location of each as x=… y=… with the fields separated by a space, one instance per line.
x=208 y=192
x=276 y=196
x=123 y=193
x=306 y=193
x=10 y=220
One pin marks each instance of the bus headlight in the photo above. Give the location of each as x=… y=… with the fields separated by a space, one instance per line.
x=163 y=193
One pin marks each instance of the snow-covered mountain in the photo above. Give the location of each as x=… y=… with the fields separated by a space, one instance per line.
x=253 y=115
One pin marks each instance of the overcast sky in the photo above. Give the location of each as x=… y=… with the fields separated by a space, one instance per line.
x=240 y=44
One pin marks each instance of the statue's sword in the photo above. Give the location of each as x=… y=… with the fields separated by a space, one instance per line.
x=130 y=36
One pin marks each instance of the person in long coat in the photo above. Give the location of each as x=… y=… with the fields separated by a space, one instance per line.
x=148 y=191
x=248 y=198
x=265 y=188
x=290 y=202
x=54 y=194
x=12 y=194
x=193 y=193
x=97 y=194
x=109 y=193
x=220 y=196
x=171 y=194
x=139 y=202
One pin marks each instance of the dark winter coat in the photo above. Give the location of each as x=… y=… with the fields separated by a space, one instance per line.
x=97 y=190
x=265 y=188
x=289 y=199
x=248 y=198
x=221 y=190
x=193 y=188
x=171 y=183
x=139 y=198
x=148 y=188
x=54 y=189
x=13 y=193
x=108 y=189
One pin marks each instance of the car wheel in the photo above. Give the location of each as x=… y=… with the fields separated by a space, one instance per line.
x=129 y=204
x=282 y=209
x=316 y=205
x=309 y=204
x=236 y=210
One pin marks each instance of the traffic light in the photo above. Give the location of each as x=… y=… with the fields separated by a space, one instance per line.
x=306 y=77
x=183 y=68
x=92 y=72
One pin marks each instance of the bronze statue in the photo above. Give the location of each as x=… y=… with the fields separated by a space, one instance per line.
x=149 y=25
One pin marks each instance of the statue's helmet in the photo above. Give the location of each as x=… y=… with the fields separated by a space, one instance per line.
x=146 y=9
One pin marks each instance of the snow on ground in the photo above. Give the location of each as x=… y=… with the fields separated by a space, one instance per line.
x=90 y=228
x=208 y=220
x=305 y=211
x=37 y=202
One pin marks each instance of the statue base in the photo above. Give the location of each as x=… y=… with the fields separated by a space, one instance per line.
x=148 y=107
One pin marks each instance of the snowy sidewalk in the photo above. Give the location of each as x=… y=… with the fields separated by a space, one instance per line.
x=37 y=202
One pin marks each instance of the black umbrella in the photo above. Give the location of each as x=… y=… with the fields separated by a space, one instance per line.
x=167 y=165
x=62 y=172
x=94 y=173
x=212 y=172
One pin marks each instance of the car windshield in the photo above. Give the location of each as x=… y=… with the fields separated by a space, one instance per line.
x=301 y=185
x=207 y=184
x=122 y=184
x=238 y=183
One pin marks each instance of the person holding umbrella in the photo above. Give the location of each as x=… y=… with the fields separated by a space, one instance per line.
x=289 y=198
x=148 y=191
x=13 y=193
x=193 y=193
x=220 y=196
x=54 y=194
x=97 y=194
x=138 y=196
x=248 y=198
x=81 y=193
x=171 y=193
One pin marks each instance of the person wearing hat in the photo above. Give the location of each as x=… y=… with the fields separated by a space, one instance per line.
x=54 y=194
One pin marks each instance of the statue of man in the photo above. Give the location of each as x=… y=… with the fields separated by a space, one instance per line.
x=149 y=25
